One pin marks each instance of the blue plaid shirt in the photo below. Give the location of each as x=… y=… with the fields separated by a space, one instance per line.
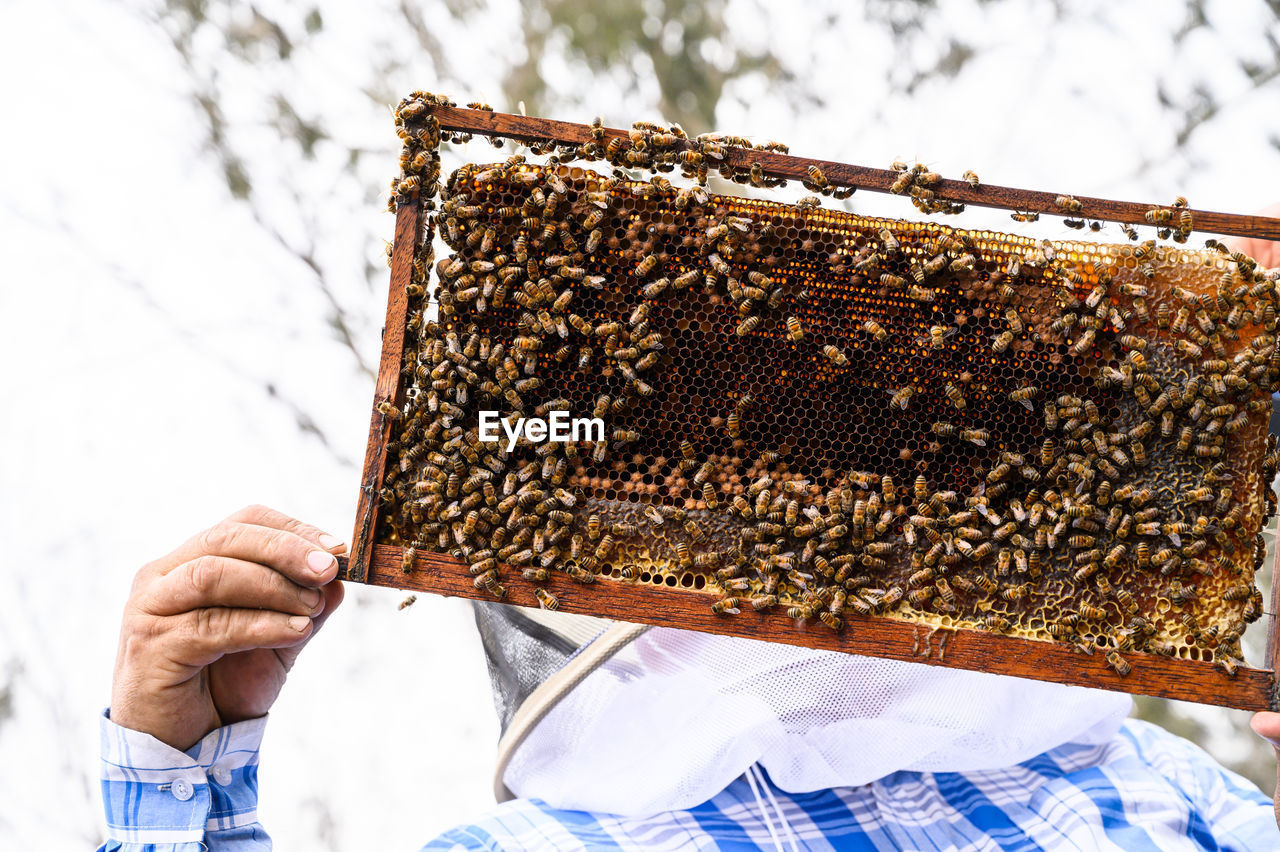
x=1144 y=790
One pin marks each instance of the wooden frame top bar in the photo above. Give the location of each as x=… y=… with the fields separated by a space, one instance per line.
x=531 y=129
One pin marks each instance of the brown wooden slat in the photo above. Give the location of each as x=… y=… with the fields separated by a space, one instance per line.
x=1273 y=634
x=686 y=609
x=388 y=387
x=530 y=128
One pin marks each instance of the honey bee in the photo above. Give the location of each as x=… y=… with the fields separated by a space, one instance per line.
x=1093 y=613
x=1015 y=320
x=831 y=620
x=1001 y=341
x=920 y=488
x=726 y=606
x=943 y=429
x=901 y=398
x=1119 y=663
x=971 y=177
x=920 y=597
x=924 y=295
x=1060 y=629
x=944 y=590
x=795 y=330
x=872 y=328
x=936 y=336
x=579 y=574
x=954 y=396
x=1179 y=325
x=536 y=575
x=1015 y=593
x=902 y=182
x=682 y=555
x=647 y=265
x=997 y=623
x=1069 y=204
x=1024 y=395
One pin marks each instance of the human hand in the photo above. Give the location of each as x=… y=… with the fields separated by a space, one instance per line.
x=1267 y=726
x=211 y=630
x=1266 y=252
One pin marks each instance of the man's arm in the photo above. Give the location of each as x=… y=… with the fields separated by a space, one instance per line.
x=209 y=634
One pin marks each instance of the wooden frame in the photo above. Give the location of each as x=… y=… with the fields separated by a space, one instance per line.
x=530 y=129
x=688 y=608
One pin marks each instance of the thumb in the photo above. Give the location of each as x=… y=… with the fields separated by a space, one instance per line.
x=1267 y=726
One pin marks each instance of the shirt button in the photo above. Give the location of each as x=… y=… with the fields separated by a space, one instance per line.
x=182 y=789
x=222 y=775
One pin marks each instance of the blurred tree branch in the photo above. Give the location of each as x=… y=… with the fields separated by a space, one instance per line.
x=247 y=38
x=688 y=48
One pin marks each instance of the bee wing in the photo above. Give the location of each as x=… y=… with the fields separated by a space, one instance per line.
x=1026 y=403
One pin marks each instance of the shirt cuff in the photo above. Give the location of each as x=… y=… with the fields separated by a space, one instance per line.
x=155 y=794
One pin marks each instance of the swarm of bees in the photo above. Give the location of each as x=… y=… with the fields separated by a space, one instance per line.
x=819 y=414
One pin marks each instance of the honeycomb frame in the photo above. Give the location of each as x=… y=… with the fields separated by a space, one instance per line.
x=664 y=589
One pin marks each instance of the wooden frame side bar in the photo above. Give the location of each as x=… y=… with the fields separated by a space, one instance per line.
x=1273 y=633
x=687 y=609
x=530 y=129
x=387 y=389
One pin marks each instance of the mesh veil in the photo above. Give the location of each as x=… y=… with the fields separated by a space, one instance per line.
x=675 y=717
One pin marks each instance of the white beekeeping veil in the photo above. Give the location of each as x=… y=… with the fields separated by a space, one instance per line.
x=675 y=716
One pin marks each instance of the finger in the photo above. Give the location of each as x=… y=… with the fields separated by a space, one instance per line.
x=289 y=553
x=333 y=595
x=203 y=635
x=1266 y=252
x=208 y=581
x=1267 y=726
x=265 y=516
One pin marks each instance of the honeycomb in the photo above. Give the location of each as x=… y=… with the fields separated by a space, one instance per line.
x=816 y=413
